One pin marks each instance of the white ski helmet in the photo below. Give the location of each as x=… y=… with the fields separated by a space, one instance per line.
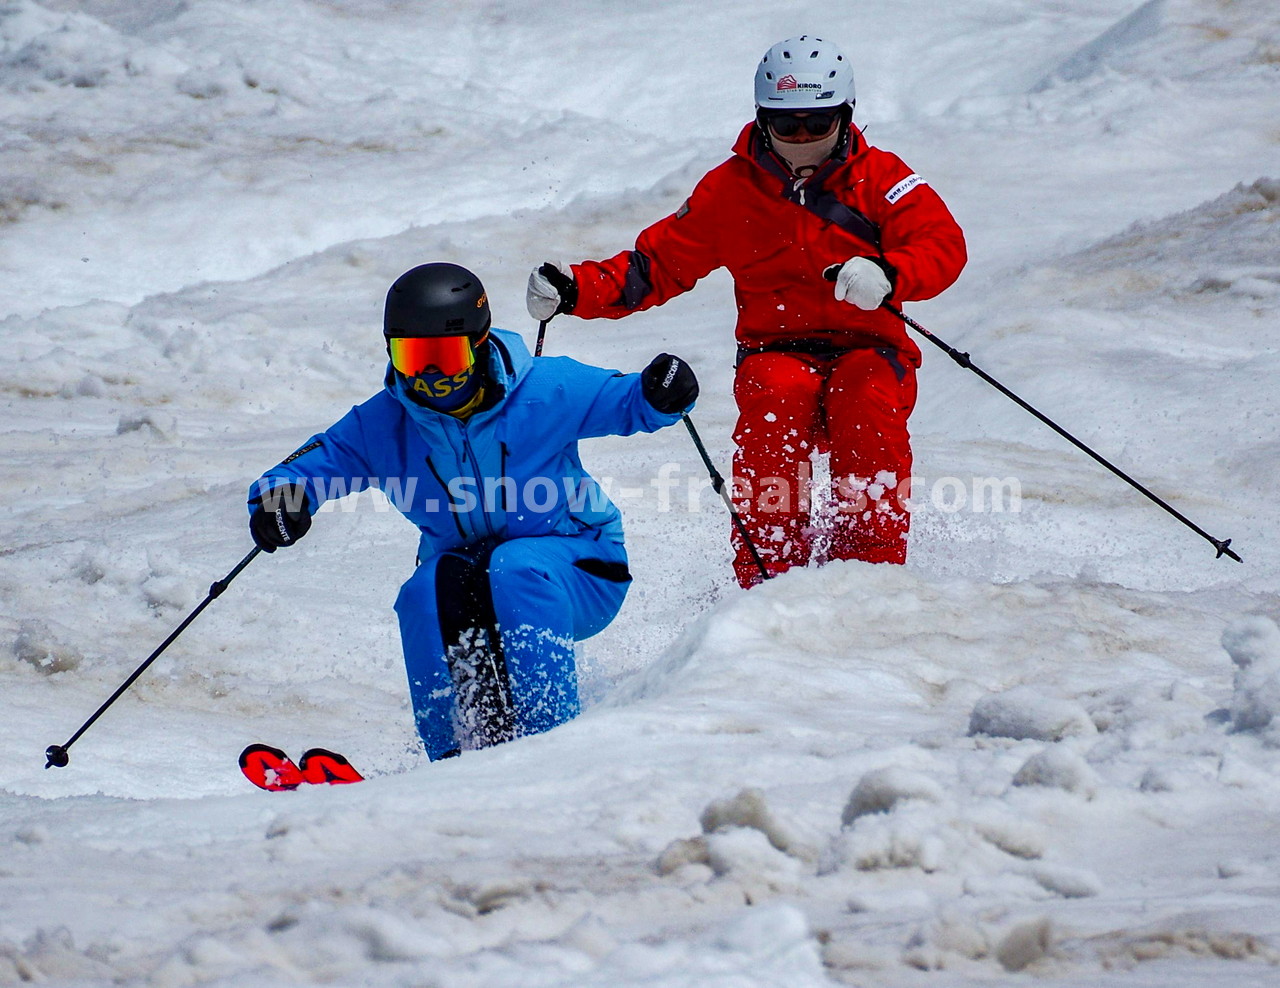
x=804 y=73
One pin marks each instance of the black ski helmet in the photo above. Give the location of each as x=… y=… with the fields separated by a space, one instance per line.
x=438 y=299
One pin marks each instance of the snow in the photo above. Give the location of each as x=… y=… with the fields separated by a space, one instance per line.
x=1047 y=747
x=1254 y=646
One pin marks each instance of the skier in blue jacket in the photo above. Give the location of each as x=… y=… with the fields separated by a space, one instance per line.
x=521 y=553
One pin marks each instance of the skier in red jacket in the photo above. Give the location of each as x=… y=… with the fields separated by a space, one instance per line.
x=816 y=369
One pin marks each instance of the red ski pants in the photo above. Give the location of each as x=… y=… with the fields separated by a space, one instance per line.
x=854 y=406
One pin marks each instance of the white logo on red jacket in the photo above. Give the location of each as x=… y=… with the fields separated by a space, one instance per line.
x=903 y=187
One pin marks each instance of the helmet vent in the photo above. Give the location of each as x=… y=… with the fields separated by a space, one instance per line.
x=786 y=54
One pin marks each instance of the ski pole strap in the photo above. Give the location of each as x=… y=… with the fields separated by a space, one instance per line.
x=1222 y=545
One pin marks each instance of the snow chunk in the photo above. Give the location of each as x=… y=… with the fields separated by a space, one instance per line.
x=915 y=841
x=1165 y=778
x=890 y=900
x=388 y=938
x=748 y=856
x=951 y=934
x=1254 y=646
x=777 y=940
x=1025 y=944
x=1169 y=944
x=680 y=853
x=1058 y=768
x=1070 y=883
x=749 y=809
x=135 y=421
x=880 y=791
x=1014 y=835
x=37 y=645
x=1024 y=713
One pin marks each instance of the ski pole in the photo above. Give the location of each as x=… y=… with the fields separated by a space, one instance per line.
x=718 y=485
x=57 y=753
x=1222 y=545
x=542 y=335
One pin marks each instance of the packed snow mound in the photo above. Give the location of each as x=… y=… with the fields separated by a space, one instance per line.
x=1226 y=245
x=1131 y=30
x=1185 y=40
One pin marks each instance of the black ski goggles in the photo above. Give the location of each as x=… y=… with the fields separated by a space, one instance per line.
x=787 y=123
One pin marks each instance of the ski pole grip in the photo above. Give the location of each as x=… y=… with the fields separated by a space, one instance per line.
x=832 y=271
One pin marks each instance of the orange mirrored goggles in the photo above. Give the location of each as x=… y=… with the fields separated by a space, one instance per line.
x=416 y=355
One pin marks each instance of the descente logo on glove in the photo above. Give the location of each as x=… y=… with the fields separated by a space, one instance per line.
x=282 y=525
x=671 y=372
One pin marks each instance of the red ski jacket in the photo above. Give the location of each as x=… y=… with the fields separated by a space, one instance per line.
x=777 y=234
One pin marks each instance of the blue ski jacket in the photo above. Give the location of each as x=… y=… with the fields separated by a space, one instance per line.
x=509 y=471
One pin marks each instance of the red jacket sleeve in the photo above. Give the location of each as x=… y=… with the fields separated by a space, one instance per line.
x=669 y=258
x=919 y=236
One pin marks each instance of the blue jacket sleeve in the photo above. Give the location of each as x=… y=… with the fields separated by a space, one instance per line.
x=618 y=407
x=331 y=464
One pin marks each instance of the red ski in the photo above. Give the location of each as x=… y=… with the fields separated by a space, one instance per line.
x=271 y=769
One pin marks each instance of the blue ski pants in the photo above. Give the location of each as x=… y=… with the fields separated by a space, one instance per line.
x=533 y=598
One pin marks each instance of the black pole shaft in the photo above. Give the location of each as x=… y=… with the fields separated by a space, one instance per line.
x=718 y=485
x=542 y=335
x=1222 y=545
x=215 y=591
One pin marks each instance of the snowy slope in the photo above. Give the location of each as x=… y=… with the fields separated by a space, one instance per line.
x=1047 y=745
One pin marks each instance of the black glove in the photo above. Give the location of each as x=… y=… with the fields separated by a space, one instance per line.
x=282 y=516
x=669 y=384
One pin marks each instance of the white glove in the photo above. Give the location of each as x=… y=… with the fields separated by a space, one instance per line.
x=862 y=282
x=542 y=298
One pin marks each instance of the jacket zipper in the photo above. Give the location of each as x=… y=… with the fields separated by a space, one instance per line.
x=475 y=467
x=454 y=514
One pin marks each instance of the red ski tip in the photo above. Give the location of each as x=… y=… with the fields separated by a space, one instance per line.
x=322 y=766
x=269 y=768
